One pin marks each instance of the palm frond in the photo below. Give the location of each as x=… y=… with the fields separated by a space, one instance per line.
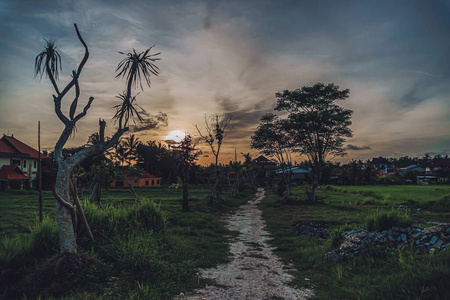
x=136 y=67
x=49 y=56
x=127 y=110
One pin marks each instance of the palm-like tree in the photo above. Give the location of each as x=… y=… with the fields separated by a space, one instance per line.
x=51 y=59
x=135 y=67
x=48 y=62
x=127 y=110
x=130 y=145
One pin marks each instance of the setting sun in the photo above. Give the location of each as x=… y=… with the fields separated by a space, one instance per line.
x=174 y=136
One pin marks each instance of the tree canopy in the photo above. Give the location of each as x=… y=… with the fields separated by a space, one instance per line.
x=316 y=126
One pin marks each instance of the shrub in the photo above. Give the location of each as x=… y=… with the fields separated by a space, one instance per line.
x=383 y=220
x=143 y=215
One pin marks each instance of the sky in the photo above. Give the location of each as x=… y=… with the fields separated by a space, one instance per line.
x=230 y=58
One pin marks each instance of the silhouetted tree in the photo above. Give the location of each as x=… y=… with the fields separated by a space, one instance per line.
x=214 y=135
x=273 y=139
x=186 y=153
x=317 y=125
x=134 y=68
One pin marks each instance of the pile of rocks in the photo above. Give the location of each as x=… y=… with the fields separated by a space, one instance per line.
x=423 y=240
x=312 y=228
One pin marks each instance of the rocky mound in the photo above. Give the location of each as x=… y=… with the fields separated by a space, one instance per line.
x=424 y=240
x=315 y=229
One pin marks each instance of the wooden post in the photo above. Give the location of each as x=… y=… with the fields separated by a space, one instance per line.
x=39 y=172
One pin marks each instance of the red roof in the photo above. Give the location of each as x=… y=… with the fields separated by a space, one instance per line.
x=12 y=173
x=148 y=175
x=11 y=145
x=143 y=174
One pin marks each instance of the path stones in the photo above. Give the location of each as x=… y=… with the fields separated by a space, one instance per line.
x=312 y=228
x=254 y=272
x=423 y=240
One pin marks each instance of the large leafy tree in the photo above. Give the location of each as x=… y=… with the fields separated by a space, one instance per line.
x=316 y=124
x=135 y=68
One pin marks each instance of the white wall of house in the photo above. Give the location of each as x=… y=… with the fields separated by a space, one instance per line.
x=28 y=167
x=4 y=161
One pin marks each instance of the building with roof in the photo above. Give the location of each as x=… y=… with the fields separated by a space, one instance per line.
x=141 y=179
x=297 y=174
x=382 y=164
x=264 y=163
x=16 y=153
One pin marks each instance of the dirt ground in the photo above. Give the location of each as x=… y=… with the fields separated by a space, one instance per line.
x=254 y=271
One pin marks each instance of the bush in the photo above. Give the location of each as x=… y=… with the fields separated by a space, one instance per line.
x=383 y=220
x=143 y=215
x=43 y=240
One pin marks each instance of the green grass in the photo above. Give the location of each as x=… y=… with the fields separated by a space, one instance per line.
x=378 y=274
x=19 y=210
x=143 y=249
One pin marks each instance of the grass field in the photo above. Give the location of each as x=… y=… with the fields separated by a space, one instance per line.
x=374 y=275
x=160 y=259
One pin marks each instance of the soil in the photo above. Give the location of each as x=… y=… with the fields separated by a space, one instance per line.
x=254 y=271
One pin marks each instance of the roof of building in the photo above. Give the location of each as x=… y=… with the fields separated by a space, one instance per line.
x=438 y=163
x=261 y=159
x=148 y=175
x=12 y=173
x=141 y=174
x=11 y=146
x=379 y=161
x=294 y=170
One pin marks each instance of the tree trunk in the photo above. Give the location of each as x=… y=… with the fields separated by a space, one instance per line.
x=67 y=241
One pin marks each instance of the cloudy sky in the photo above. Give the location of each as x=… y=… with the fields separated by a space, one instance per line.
x=230 y=58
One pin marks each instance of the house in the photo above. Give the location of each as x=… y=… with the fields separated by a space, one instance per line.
x=412 y=168
x=140 y=179
x=436 y=164
x=12 y=177
x=297 y=174
x=382 y=164
x=16 y=153
x=232 y=176
x=263 y=162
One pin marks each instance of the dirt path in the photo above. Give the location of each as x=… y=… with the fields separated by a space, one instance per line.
x=254 y=271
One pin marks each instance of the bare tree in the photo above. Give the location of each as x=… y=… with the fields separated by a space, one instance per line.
x=214 y=135
x=186 y=153
x=134 y=68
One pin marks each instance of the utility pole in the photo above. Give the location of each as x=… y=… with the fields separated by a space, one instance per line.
x=39 y=171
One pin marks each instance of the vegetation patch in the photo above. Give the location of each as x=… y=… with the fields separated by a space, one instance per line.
x=143 y=249
x=376 y=273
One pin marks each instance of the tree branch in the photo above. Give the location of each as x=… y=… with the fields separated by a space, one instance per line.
x=80 y=67
x=73 y=106
x=83 y=113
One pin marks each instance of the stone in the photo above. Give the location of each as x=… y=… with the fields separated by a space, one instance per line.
x=434 y=239
x=438 y=244
x=428 y=239
x=403 y=237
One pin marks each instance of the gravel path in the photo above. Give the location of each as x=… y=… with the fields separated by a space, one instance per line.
x=254 y=271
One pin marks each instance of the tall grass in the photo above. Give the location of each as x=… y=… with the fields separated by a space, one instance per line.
x=142 y=215
x=142 y=250
x=383 y=220
x=42 y=240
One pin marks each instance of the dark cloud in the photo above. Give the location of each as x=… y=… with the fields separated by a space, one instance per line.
x=356 y=148
x=150 y=122
x=171 y=142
